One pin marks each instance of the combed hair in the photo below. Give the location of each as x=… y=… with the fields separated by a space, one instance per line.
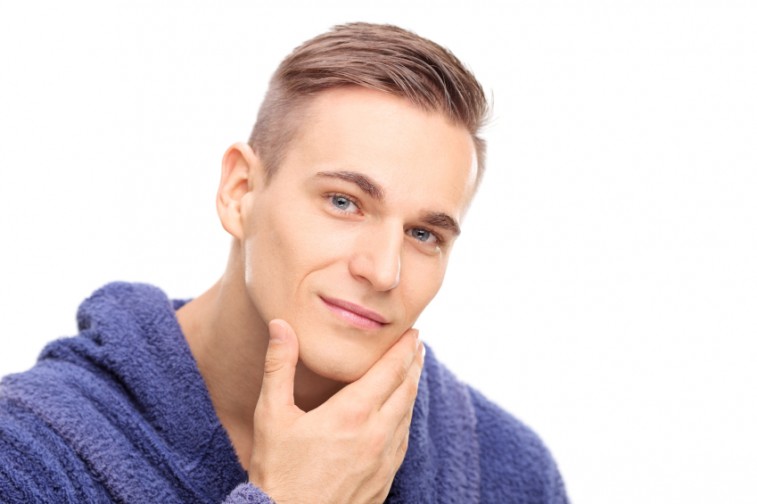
x=380 y=57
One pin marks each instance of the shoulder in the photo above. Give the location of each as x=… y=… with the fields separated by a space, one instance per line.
x=117 y=412
x=36 y=462
x=513 y=454
x=514 y=464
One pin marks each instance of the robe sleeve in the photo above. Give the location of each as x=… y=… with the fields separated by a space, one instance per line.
x=36 y=465
x=247 y=493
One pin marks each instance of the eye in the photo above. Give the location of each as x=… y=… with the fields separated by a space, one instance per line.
x=343 y=203
x=424 y=236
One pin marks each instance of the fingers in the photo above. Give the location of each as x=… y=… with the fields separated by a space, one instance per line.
x=399 y=406
x=403 y=444
x=388 y=373
x=280 y=364
x=394 y=407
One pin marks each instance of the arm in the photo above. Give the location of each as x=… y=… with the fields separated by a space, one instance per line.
x=36 y=465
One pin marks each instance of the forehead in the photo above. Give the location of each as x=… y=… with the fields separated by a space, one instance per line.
x=414 y=154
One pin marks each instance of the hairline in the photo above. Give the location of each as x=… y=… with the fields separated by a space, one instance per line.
x=298 y=113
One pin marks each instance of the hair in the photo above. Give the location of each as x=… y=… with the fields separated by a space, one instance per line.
x=380 y=57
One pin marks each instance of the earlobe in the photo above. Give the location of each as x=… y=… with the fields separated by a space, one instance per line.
x=237 y=180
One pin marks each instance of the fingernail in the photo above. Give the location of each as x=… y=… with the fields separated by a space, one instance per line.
x=276 y=332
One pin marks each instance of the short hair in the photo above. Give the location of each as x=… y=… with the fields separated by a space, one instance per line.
x=380 y=57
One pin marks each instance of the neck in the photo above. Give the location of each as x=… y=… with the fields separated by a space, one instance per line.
x=229 y=339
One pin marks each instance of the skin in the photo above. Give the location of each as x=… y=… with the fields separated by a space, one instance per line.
x=363 y=211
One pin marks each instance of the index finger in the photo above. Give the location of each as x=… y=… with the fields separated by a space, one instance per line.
x=388 y=373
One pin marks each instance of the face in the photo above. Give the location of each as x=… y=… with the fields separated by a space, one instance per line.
x=349 y=240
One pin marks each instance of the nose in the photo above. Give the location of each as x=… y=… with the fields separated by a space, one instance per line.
x=377 y=259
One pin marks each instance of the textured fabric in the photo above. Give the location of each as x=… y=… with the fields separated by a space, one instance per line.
x=120 y=413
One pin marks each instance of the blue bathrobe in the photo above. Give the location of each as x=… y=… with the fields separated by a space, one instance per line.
x=120 y=413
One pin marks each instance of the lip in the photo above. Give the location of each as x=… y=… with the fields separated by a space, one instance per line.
x=354 y=314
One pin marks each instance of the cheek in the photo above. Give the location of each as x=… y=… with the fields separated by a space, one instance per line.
x=268 y=269
x=422 y=281
x=283 y=248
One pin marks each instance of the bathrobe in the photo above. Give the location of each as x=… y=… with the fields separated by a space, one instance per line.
x=120 y=413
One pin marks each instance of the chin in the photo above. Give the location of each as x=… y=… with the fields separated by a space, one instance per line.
x=333 y=365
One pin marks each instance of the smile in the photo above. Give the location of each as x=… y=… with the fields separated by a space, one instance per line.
x=353 y=314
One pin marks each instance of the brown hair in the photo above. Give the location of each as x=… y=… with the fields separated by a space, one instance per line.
x=381 y=57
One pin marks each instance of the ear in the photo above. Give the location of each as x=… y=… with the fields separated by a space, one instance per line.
x=241 y=173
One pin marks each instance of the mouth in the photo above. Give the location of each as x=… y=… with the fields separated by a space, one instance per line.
x=353 y=314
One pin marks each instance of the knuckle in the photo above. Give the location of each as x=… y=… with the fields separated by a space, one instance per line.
x=356 y=415
x=399 y=372
x=272 y=364
x=403 y=446
x=378 y=442
x=409 y=392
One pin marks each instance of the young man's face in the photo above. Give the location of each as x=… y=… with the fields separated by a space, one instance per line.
x=350 y=239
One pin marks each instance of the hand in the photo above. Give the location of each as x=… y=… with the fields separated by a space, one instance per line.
x=349 y=448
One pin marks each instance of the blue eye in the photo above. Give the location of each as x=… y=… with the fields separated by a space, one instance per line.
x=343 y=203
x=423 y=235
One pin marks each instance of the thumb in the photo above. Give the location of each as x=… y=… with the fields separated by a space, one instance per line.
x=280 y=364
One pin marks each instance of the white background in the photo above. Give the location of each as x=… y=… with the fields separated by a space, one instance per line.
x=605 y=287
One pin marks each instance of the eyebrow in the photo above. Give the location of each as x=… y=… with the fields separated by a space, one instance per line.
x=368 y=185
x=442 y=221
x=436 y=219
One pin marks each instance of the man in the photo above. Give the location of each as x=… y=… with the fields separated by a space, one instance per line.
x=298 y=377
